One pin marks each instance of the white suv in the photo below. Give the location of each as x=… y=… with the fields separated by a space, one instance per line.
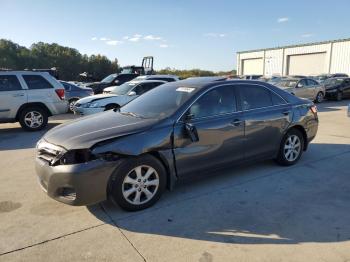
x=30 y=98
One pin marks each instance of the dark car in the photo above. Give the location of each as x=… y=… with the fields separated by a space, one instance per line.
x=181 y=128
x=73 y=93
x=324 y=77
x=111 y=80
x=337 y=88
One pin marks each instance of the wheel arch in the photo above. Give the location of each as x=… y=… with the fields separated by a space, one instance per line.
x=32 y=104
x=303 y=132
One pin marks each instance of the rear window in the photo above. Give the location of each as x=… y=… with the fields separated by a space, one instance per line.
x=9 y=83
x=36 y=82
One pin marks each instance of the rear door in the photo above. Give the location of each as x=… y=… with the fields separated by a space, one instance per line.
x=301 y=89
x=220 y=129
x=266 y=116
x=12 y=96
x=40 y=89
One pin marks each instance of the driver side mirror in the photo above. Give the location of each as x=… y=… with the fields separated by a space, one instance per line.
x=116 y=82
x=191 y=131
x=132 y=93
x=300 y=85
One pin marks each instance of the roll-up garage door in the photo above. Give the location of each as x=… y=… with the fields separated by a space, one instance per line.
x=253 y=66
x=307 y=64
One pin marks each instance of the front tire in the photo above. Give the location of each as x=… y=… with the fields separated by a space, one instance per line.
x=71 y=105
x=319 y=97
x=138 y=183
x=339 y=96
x=111 y=106
x=291 y=148
x=33 y=118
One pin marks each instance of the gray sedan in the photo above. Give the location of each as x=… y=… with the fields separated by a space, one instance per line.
x=304 y=88
x=170 y=133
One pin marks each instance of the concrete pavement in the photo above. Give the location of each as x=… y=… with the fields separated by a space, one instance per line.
x=257 y=212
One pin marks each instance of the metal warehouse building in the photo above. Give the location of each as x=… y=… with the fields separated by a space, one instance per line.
x=307 y=59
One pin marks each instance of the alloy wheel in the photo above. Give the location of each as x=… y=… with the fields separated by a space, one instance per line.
x=71 y=105
x=292 y=148
x=33 y=119
x=140 y=185
x=319 y=97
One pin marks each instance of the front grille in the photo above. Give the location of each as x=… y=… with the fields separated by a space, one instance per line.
x=48 y=152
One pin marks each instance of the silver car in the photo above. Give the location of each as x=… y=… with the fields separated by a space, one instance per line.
x=303 y=88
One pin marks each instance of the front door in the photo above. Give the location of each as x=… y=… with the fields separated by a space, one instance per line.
x=220 y=131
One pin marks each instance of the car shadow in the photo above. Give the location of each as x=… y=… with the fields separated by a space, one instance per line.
x=16 y=138
x=253 y=204
x=330 y=105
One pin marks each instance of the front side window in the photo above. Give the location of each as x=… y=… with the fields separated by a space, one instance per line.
x=220 y=100
x=9 y=83
x=143 y=88
x=109 y=78
x=253 y=97
x=36 y=82
x=311 y=82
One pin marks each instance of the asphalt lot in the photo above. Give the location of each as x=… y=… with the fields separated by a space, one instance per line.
x=257 y=212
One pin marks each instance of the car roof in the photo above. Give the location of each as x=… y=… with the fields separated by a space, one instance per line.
x=147 y=81
x=151 y=76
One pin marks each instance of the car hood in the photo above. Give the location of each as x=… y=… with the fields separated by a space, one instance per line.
x=87 y=131
x=110 y=88
x=94 y=98
x=331 y=86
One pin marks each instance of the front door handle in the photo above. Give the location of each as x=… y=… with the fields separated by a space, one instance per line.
x=18 y=95
x=286 y=113
x=237 y=122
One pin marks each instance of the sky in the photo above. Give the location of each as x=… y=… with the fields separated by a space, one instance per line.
x=179 y=34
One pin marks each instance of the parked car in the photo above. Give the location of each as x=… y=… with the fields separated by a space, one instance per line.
x=121 y=95
x=175 y=130
x=303 y=87
x=30 y=98
x=251 y=77
x=165 y=78
x=74 y=93
x=337 y=88
x=128 y=73
x=324 y=77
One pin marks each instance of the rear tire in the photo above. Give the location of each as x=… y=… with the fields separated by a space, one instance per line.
x=138 y=183
x=319 y=97
x=33 y=118
x=291 y=148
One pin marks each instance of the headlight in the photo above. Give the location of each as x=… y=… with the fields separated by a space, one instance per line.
x=91 y=105
x=332 y=90
x=77 y=156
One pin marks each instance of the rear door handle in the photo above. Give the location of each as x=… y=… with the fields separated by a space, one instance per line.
x=237 y=122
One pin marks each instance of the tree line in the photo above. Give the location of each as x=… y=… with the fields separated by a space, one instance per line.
x=70 y=62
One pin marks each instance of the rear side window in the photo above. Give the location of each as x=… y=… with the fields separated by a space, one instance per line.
x=66 y=86
x=36 y=82
x=9 y=83
x=277 y=100
x=143 y=88
x=311 y=82
x=253 y=97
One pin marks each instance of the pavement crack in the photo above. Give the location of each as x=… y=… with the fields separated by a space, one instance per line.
x=52 y=239
x=121 y=231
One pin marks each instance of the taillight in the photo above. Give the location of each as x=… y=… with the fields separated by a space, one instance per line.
x=313 y=109
x=60 y=93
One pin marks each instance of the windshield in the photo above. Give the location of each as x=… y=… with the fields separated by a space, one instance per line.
x=124 y=88
x=109 y=78
x=287 y=83
x=333 y=81
x=160 y=102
